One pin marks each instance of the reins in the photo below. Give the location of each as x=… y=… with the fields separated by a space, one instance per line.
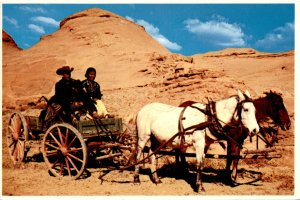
x=182 y=131
x=213 y=122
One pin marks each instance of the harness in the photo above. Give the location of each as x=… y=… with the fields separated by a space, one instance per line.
x=212 y=123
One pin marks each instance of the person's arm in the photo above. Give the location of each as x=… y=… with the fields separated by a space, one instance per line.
x=98 y=94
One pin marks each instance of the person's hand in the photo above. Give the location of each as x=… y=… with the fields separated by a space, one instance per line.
x=77 y=104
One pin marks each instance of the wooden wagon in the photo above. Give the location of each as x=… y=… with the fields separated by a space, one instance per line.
x=66 y=147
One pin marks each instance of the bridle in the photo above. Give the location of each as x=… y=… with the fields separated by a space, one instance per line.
x=213 y=123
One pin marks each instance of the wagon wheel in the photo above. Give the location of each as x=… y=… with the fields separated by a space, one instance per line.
x=17 y=137
x=125 y=149
x=64 y=151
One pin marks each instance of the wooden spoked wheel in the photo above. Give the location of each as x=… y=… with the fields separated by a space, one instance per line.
x=64 y=151
x=17 y=136
x=126 y=149
x=117 y=148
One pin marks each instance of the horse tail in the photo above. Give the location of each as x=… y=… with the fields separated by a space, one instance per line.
x=132 y=119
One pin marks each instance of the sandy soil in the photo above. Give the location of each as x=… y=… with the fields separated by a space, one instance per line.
x=32 y=177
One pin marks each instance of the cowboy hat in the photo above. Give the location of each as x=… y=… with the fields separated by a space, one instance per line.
x=64 y=70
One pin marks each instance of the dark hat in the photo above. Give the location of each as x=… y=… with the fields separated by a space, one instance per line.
x=64 y=70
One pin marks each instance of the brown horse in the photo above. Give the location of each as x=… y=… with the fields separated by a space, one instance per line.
x=270 y=106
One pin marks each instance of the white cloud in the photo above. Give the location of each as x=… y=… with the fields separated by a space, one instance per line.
x=32 y=9
x=36 y=28
x=46 y=20
x=281 y=37
x=12 y=21
x=26 y=45
x=217 y=31
x=129 y=18
x=154 y=32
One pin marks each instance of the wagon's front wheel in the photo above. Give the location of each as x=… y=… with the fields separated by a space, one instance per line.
x=127 y=146
x=17 y=136
x=64 y=151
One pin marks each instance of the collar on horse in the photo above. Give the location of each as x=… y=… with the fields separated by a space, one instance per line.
x=213 y=123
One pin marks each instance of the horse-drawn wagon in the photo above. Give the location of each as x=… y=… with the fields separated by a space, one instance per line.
x=66 y=147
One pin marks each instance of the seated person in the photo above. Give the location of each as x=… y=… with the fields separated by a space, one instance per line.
x=68 y=94
x=92 y=90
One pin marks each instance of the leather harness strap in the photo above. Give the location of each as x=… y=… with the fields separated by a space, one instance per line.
x=184 y=131
x=181 y=129
x=212 y=122
x=217 y=129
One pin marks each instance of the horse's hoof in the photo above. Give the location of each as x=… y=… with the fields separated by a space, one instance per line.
x=157 y=181
x=199 y=189
x=233 y=183
x=136 y=180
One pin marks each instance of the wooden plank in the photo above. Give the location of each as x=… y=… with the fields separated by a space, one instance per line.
x=261 y=151
x=268 y=154
x=33 y=122
x=108 y=156
x=91 y=127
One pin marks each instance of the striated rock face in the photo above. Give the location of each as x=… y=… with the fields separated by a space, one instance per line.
x=8 y=45
x=92 y=12
x=245 y=53
x=8 y=40
x=115 y=46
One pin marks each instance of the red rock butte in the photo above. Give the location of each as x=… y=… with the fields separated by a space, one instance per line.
x=125 y=55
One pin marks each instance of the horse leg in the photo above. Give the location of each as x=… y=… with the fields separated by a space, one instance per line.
x=228 y=160
x=184 y=164
x=235 y=166
x=140 y=146
x=199 y=146
x=233 y=152
x=181 y=163
x=153 y=167
x=177 y=155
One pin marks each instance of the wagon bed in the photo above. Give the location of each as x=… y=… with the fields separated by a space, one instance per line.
x=66 y=147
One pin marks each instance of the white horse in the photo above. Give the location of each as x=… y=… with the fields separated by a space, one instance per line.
x=162 y=121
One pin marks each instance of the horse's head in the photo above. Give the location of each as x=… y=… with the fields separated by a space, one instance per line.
x=277 y=111
x=245 y=112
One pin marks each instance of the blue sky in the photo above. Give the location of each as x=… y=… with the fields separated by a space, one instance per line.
x=182 y=28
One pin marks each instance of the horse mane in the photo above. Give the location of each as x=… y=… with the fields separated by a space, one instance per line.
x=273 y=95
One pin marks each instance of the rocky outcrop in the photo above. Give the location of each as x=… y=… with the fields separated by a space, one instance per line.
x=8 y=40
x=245 y=53
x=92 y=12
x=8 y=43
x=115 y=46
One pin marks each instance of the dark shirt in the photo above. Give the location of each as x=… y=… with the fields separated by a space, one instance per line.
x=92 y=89
x=67 y=91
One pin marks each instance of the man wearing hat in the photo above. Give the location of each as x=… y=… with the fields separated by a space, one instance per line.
x=67 y=92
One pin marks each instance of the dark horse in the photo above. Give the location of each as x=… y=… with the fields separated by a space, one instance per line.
x=269 y=107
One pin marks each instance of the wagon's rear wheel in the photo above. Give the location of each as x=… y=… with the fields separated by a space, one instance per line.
x=64 y=151
x=17 y=136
